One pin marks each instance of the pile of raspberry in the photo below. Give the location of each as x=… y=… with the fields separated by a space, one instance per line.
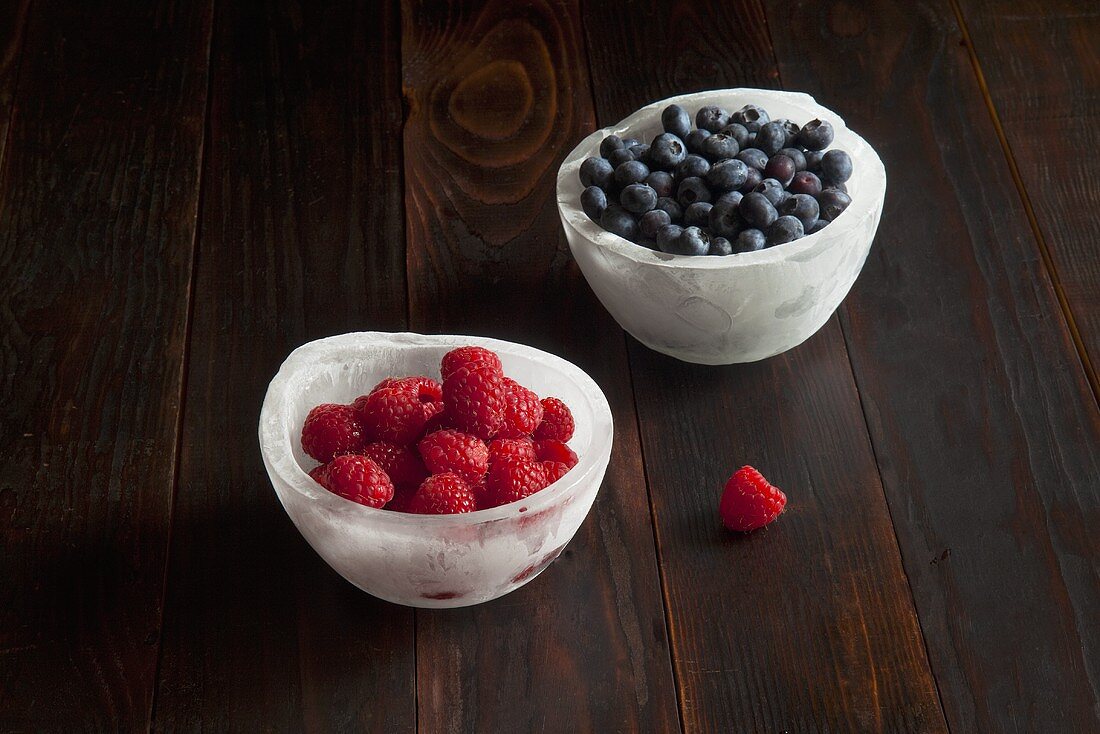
x=476 y=441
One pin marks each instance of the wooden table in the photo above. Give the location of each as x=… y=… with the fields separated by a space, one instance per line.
x=189 y=190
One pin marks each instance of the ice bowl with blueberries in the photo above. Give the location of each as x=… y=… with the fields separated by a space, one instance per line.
x=722 y=226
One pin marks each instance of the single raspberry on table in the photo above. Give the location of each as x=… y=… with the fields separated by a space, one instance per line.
x=522 y=411
x=456 y=452
x=359 y=479
x=518 y=448
x=401 y=463
x=474 y=399
x=330 y=430
x=551 y=449
x=557 y=421
x=398 y=413
x=555 y=470
x=443 y=494
x=749 y=501
x=510 y=480
x=466 y=356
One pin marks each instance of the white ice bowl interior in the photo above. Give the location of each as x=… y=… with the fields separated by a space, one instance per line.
x=736 y=308
x=420 y=560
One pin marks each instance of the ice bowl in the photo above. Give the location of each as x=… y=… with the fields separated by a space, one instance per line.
x=736 y=308
x=433 y=561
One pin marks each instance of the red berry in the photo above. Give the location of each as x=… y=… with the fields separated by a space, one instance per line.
x=557 y=421
x=518 y=448
x=474 y=396
x=443 y=494
x=401 y=463
x=749 y=502
x=427 y=389
x=402 y=498
x=398 y=413
x=319 y=474
x=359 y=479
x=331 y=430
x=522 y=411
x=453 y=451
x=510 y=480
x=555 y=470
x=550 y=449
x=466 y=356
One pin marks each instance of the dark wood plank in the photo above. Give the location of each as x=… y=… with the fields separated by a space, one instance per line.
x=98 y=195
x=808 y=625
x=498 y=97
x=1041 y=64
x=301 y=237
x=13 y=21
x=984 y=427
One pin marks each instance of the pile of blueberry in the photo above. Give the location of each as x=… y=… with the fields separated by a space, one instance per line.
x=736 y=183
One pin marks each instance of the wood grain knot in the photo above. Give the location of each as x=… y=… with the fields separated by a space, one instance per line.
x=494 y=101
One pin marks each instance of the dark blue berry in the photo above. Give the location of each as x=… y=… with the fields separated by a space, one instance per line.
x=596 y=172
x=750 y=240
x=666 y=151
x=813 y=160
x=692 y=241
x=805 y=182
x=619 y=221
x=711 y=118
x=719 y=146
x=593 y=201
x=694 y=141
x=836 y=166
x=727 y=175
x=638 y=198
x=751 y=116
x=784 y=229
x=730 y=198
x=692 y=166
x=667 y=236
x=698 y=214
x=641 y=152
x=751 y=181
x=661 y=182
x=618 y=157
x=609 y=144
x=818 y=226
x=630 y=172
x=738 y=132
x=691 y=190
x=826 y=185
x=720 y=246
x=791 y=129
x=676 y=120
x=771 y=138
x=797 y=156
x=754 y=158
x=803 y=207
x=757 y=211
x=832 y=202
x=725 y=219
x=675 y=211
x=771 y=189
x=652 y=221
x=781 y=168
x=816 y=135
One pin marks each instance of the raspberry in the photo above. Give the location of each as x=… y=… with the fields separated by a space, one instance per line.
x=474 y=396
x=749 y=502
x=398 y=413
x=452 y=451
x=557 y=421
x=359 y=479
x=555 y=470
x=522 y=411
x=518 y=448
x=402 y=498
x=550 y=449
x=331 y=430
x=319 y=474
x=443 y=494
x=510 y=480
x=427 y=389
x=466 y=356
x=401 y=463
x=437 y=422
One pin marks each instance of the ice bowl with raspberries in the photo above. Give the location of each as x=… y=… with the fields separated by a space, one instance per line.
x=722 y=226
x=434 y=471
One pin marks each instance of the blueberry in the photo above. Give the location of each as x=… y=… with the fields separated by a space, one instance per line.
x=698 y=214
x=652 y=221
x=771 y=138
x=751 y=116
x=692 y=189
x=692 y=241
x=711 y=118
x=720 y=246
x=730 y=198
x=609 y=144
x=676 y=120
x=813 y=160
x=640 y=151
x=836 y=166
x=661 y=182
x=803 y=207
x=630 y=172
x=832 y=202
x=818 y=226
x=753 y=158
x=596 y=172
x=675 y=211
x=694 y=140
x=805 y=182
x=750 y=240
x=620 y=156
x=738 y=132
x=719 y=146
x=784 y=229
x=791 y=129
x=593 y=201
x=779 y=167
x=751 y=181
x=667 y=151
x=757 y=211
x=667 y=236
x=771 y=189
x=692 y=165
x=797 y=156
x=619 y=221
x=725 y=219
x=728 y=175
x=826 y=185
x=749 y=141
x=816 y=135
x=638 y=198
